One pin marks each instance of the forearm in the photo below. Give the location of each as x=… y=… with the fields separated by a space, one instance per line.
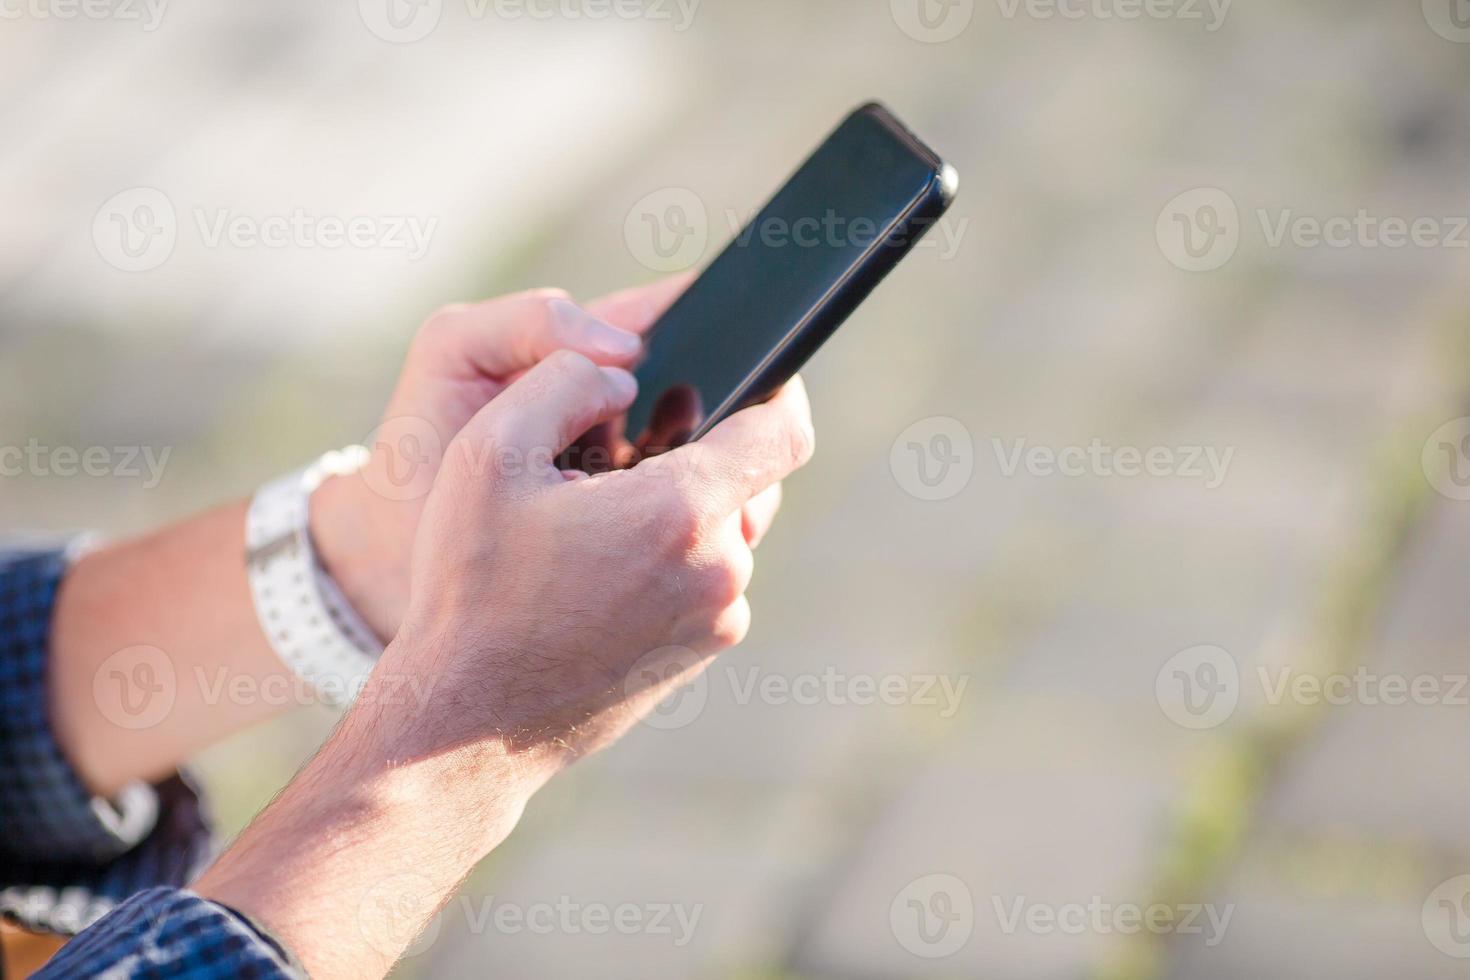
x=181 y=591
x=355 y=857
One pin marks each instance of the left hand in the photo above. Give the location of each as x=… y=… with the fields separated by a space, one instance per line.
x=462 y=357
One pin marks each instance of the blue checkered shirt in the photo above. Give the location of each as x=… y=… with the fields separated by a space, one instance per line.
x=109 y=872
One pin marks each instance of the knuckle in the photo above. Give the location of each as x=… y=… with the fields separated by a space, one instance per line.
x=723 y=582
x=557 y=315
x=676 y=517
x=445 y=315
x=572 y=365
x=732 y=625
x=546 y=295
x=437 y=324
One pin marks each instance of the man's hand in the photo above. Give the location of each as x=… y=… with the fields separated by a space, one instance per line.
x=548 y=601
x=177 y=602
x=462 y=357
x=550 y=611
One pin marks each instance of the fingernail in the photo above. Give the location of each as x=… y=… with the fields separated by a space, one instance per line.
x=622 y=383
x=611 y=340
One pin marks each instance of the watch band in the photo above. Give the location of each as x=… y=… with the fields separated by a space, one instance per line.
x=308 y=622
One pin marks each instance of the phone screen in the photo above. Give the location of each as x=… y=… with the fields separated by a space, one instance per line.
x=824 y=223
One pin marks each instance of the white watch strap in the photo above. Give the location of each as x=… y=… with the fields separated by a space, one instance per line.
x=309 y=623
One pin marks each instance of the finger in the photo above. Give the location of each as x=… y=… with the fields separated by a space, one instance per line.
x=501 y=337
x=675 y=416
x=538 y=416
x=638 y=308
x=759 y=513
x=746 y=453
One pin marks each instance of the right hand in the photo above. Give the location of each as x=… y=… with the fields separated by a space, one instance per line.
x=547 y=612
x=552 y=610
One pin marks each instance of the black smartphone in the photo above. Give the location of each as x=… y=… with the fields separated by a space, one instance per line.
x=762 y=308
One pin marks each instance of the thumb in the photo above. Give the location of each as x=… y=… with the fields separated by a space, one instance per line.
x=529 y=424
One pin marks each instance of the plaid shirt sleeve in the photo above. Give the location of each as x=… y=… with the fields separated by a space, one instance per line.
x=69 y=859
x=168 y=932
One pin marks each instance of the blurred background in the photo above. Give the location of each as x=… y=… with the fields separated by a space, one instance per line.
x=1161 y=431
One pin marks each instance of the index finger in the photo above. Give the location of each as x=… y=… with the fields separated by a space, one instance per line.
x=747 y=452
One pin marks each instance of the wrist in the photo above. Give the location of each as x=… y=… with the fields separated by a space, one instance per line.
x=350 y=544
x=371 y=837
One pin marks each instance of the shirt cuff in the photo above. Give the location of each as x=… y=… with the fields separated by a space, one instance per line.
x=69 y=856
x=173 y=932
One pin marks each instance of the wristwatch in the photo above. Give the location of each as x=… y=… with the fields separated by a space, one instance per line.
x=307 y=620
